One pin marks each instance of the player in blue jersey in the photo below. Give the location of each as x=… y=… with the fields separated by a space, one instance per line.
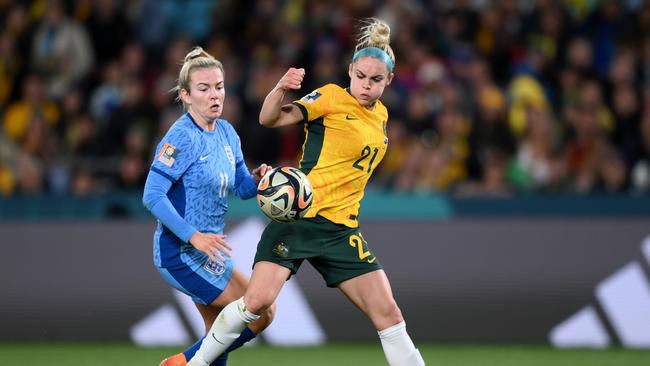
x=196 y=164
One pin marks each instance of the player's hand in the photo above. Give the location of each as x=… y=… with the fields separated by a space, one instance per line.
x=291 y=80
x=211 y=244
x=260 y=171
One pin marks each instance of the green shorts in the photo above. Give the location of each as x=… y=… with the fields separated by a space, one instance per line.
x=336 y=251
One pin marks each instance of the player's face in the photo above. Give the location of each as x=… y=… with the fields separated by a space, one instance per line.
x=368 y=78
x=206 y=95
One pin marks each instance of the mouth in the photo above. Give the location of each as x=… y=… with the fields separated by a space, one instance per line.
x=215 y=107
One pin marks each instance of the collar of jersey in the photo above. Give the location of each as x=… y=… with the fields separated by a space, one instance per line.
x=199 y=127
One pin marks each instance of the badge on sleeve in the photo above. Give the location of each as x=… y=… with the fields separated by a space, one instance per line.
x=168 y=154
x=311 y=97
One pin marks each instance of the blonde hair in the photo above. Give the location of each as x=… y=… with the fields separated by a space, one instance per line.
x=196 y=58
x=374 y=32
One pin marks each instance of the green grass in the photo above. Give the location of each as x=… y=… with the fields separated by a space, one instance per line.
x=65 y=354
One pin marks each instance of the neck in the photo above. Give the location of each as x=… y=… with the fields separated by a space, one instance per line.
x=207 y=125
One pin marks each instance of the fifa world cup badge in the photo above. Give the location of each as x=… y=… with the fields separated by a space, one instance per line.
x=168 y=154
x=311 y=97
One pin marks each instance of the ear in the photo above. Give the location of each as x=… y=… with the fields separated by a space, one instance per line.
x=350 y=71
x=185 y=96
x=390 y=78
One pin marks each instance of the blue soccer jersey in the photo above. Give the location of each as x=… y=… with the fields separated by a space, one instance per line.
x=201 y=168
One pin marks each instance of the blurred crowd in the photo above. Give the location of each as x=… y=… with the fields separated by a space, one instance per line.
x=490 y=98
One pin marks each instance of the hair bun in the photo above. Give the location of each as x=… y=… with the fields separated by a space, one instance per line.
x=195 y=52
x=379 y=33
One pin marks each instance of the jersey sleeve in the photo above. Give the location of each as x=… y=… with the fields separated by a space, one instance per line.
x=155 y=200
x=175 y=153
x=315 y=104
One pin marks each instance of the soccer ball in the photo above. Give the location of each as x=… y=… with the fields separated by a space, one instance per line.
x=284 y=194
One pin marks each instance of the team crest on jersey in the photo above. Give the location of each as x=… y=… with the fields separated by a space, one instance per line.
x=311 y=97
x=229 y=154
x=218 y=268
x=168 y=154
x=281 y=250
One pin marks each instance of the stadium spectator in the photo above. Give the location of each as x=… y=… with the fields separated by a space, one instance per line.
x=563 y=57
x=61 y=50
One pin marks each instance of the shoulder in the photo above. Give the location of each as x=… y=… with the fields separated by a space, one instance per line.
x=183 y=131
x=181 y=127
x=332 y=89
x=227 y=128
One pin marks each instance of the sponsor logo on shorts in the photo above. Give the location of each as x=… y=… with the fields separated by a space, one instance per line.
x=217 y=268
x=281 y=250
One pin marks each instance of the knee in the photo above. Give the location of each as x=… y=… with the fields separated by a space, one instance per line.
x=388 y=315
x=264 y=321
x=257 y=303
x=393 y=313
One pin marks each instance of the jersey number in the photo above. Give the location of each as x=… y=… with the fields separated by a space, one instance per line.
x=357 y=241
x=364 y=154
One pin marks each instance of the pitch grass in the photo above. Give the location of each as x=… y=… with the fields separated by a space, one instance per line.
x=65 y=354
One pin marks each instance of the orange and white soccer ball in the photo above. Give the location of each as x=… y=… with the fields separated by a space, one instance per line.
x=284 y=194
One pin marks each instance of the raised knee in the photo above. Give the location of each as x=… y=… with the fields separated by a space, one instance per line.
x=257 y=303
x=264 y=321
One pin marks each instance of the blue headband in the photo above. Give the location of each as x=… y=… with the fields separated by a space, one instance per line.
x=377 y=53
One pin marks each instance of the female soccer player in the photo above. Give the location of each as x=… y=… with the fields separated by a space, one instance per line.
x=197 y=163
x=345 y=140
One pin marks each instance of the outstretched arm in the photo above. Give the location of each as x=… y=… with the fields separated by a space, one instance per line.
x=273 y=113
x=155 y=200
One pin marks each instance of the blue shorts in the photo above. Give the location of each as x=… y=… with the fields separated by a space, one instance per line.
x=198 y=276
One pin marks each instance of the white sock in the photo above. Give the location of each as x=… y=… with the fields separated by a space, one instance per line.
x=229 y=324
x=398 y=347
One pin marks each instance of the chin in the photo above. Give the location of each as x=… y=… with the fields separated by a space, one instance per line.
x=365 y=102
x=214 y=116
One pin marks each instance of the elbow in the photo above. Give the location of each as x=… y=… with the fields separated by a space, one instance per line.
x=266 y=122
x=148 y=200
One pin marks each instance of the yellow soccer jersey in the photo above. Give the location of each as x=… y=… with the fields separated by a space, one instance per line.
x=343 y=145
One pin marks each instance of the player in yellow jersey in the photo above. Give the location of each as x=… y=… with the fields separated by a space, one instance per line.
x=345 y=140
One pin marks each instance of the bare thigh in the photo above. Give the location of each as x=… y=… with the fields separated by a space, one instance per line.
x=266 y=282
